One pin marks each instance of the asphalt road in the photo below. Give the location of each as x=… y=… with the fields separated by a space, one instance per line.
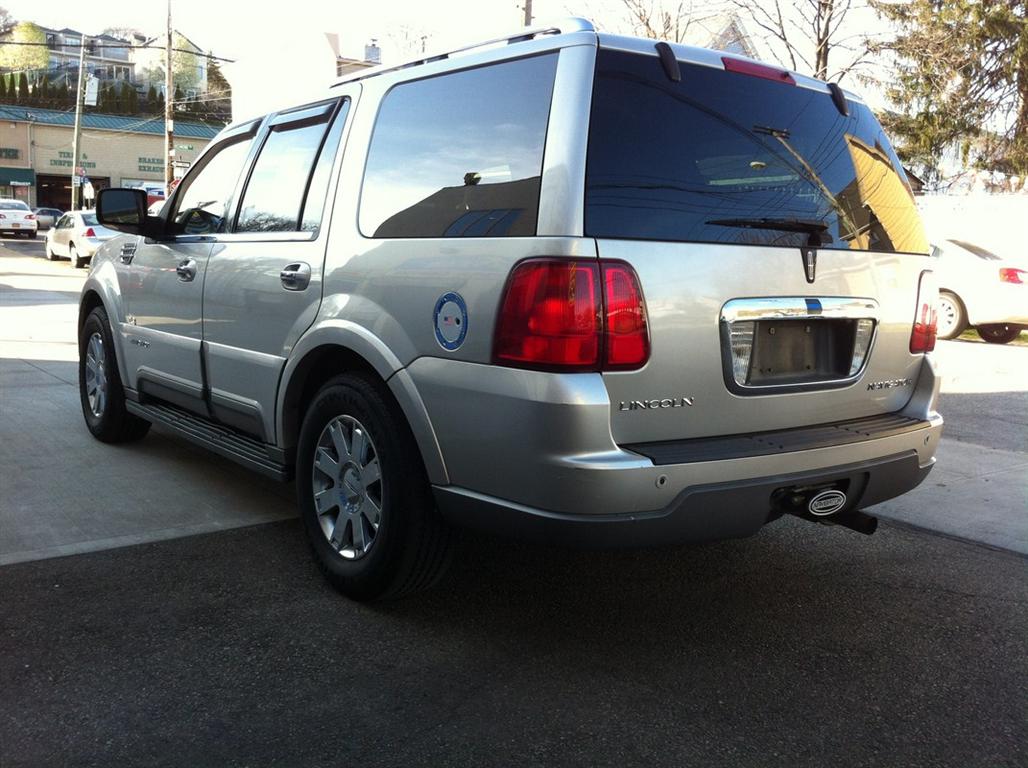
x=804 y=645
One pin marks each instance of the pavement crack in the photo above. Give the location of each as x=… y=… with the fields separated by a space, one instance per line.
x=48 y=373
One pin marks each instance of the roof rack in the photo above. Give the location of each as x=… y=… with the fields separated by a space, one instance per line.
x=565 y=26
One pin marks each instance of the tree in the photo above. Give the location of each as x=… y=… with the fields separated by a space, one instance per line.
x=23 y=88
x=3 y=88
x=6 y=20
x=961 y=79
x=43 y=89
x=671 y=21
x=131 y=99
x=25 y=57
x=122 y=33
x=184 y=64
x=219 y=93
x=151 y=100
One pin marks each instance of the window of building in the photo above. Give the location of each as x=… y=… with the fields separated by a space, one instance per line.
x=460 y=154
x=284 y=171
x=201 y=206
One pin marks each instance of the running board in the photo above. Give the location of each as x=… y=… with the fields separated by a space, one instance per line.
x=216 y=438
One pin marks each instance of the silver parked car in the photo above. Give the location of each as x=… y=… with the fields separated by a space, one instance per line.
x=47 y=217
x=587 y=288
x=75 y=237
x=979 y=289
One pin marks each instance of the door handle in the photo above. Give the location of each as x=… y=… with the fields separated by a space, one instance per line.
x=186 y=270
x=296 y=277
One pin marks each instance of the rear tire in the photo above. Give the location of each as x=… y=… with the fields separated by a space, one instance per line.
x=33 y=235
x=952 y=317
x=368 y=468
x=999 y=333
x=73 y=255
x=100 y=390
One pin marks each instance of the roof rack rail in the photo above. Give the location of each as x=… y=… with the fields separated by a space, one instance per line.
x=564 y=26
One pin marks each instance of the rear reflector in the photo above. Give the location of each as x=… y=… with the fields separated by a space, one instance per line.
x=1010 y=275
x=744 y=67
x=922 y=336
x=566 y=315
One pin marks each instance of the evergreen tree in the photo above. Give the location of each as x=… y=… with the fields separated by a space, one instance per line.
x=131 y=99
x=23 y=88
x=3 y=88
x=961 y=79
x=151 y=100
x=44 y=90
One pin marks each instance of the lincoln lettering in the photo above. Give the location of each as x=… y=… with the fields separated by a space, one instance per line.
x=667 y=402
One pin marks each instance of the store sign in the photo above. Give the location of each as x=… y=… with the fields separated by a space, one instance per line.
x=151 y=164
x=9 y=153
x=63 y=160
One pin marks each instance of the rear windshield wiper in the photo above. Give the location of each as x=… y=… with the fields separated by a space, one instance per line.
x=817 y=230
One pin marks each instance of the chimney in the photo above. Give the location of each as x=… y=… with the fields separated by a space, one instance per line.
x=372 y=52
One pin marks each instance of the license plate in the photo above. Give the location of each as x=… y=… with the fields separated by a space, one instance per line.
x=15 y=226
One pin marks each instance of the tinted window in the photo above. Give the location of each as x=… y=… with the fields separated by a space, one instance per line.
x=314 y=203
x=724 y=157
x=460 y=155
x=201 y=205
x=12 y=205
x=278 y=184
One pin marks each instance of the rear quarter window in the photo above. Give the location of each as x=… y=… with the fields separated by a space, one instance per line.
x=726 y=157
x=460 y=154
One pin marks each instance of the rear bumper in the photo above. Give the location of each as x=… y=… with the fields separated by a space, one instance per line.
x=699 y=513
x=542 y=443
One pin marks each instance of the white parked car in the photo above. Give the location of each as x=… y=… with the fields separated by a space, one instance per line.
x=76 y=236
x=17 y=218
x=979 y=289
x=47 y=217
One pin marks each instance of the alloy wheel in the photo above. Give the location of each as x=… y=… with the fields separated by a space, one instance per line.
x=96 y=375
x=348 y=488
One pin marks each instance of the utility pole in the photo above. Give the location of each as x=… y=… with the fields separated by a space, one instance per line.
x=76 y=135
x=528 y=13
x=169 y=111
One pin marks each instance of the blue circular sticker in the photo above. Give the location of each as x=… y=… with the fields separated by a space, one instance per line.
x=451 y=321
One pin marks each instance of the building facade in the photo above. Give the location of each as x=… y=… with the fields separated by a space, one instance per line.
x=36 y=152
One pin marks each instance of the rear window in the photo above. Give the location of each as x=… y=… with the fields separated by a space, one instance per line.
x=89 y=219
x=725 y=157
x=13 y=206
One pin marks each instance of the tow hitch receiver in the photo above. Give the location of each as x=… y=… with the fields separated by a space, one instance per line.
x=826 y=504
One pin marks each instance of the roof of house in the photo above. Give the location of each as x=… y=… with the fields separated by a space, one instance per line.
x=154 y=125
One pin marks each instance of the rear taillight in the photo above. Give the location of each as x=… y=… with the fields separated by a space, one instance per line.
x=90 y=233
x=2 y=216
x=922 y=337
x=30 y=217
x=1010 y=275
x=744 y=67
x=626 y=337
x=560 y=314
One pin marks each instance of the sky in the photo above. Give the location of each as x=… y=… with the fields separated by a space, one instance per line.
x=274 y=44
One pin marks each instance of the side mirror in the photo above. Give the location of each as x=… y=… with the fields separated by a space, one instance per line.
x=124 y=210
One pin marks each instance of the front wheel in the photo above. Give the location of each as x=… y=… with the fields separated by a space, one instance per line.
x=100 y=389
x=365 y=501
x=952 y=318
x=999 y=333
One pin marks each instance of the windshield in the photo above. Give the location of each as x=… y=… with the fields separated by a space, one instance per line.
x=725 y=157
x=13 y=205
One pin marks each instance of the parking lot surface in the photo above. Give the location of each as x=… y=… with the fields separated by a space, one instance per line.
x=805 y=645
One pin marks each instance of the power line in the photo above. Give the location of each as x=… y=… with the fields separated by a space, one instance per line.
x=127 y=45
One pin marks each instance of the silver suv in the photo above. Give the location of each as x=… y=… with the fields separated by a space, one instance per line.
x=589 y=288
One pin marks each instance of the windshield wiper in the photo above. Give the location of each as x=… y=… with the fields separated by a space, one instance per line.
x=817 y=230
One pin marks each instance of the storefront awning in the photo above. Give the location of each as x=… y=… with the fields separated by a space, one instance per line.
x=17 y=177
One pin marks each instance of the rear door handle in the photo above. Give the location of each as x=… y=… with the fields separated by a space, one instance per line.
x=186 y=270
x=296 y=277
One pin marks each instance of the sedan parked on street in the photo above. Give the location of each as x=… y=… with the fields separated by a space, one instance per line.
x=76 y=236
x=16 y=218
x=47 y=217
x=979 y=289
